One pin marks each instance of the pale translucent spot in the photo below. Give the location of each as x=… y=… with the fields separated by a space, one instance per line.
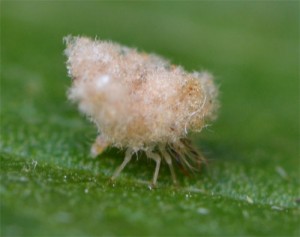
x=102 y=80
x=202 y=211
x=276 y=208
x=281 y=172
x=34 y=163
x=249 y=200
x=23 y=179
x=245 y=214
x=62 y=217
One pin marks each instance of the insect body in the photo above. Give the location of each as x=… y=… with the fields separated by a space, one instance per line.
x=139 y=101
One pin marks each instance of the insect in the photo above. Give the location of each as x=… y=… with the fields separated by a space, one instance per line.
x=140 y=102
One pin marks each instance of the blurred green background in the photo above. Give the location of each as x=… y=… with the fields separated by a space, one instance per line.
x=50 y=186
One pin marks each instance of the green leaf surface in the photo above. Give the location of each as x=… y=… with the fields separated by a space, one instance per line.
x=51 y=187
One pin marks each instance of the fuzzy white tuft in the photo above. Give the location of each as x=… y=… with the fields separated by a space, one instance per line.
x=138 y=101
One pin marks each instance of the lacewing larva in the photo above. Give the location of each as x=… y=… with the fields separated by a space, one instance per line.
x=139 y=102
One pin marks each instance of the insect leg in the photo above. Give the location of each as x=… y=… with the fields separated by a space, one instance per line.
x=157 y=159
x=98 y=146
x=128 y=156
